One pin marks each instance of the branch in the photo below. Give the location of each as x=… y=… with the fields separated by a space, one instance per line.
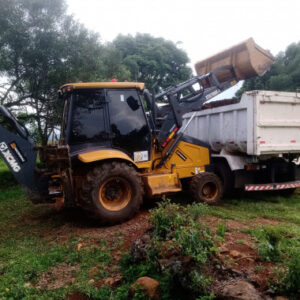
x=9 y=90
x=17 y=102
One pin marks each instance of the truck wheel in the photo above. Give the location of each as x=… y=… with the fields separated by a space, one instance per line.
x=223 y=171
x=206 y=187
x=112 y=192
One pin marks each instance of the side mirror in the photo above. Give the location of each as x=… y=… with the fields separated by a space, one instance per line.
x=133 y=103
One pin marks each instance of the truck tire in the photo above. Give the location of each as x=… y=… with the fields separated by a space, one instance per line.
x=223 y=171
x=112 y=192
x=206 y=187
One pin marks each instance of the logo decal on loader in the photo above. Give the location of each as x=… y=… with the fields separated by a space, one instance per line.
x=9 y=157
x=3 y=146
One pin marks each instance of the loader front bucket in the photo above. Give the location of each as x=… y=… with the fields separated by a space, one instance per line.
x=247 y=59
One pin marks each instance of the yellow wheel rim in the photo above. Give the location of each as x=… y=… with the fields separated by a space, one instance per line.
x=209 y=191
x=115 y=193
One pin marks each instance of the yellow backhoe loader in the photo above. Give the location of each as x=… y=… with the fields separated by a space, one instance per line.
x=114 y=150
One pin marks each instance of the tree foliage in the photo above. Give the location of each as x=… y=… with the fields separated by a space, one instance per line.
x=41 y=48
x=284 y=75
x=151 y=59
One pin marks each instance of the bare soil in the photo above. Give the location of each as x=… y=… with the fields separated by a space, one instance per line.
x=57 y=277
x=237 y=252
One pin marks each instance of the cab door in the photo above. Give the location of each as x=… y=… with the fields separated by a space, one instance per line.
x=128 y=124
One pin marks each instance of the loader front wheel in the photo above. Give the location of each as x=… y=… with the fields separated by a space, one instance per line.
x=206 y=187
x=112 y=192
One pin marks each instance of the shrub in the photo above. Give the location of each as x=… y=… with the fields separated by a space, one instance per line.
x=292 y=279
x=177 y=226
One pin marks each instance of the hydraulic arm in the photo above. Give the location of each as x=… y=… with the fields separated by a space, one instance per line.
x=190 y=96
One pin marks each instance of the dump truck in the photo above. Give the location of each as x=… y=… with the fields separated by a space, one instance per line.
x=255 y=141
x=113 y=150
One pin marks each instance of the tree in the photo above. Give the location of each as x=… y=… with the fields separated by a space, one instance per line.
x=150 y=59
x=40 y=49
x=284 y=75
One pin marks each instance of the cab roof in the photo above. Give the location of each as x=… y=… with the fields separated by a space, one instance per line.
x=103 y=85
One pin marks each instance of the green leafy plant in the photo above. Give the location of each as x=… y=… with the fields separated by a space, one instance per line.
x=292 y=279
x=221 y=230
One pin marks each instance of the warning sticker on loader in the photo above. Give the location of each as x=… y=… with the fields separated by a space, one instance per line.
x=140 y=156
x=9 y=158
x=17 y=151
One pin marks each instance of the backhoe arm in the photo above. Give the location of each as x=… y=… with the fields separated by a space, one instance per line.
x=19 y=153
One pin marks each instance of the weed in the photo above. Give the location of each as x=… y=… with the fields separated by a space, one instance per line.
x=241 y=242
x=259 y=268
x=209 y=297
x=165 y=218
x=195 y=240
x=276 y=243
x=292 y=279
x=221 y=230
x=196 y=210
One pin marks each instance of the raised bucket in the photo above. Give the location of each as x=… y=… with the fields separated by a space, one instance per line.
x=247 y=58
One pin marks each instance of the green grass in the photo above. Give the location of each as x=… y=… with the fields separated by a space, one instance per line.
x=26 y=251
x=29 y=248
x=260 y=206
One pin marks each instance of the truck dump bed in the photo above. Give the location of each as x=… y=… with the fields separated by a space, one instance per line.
x=262 y=123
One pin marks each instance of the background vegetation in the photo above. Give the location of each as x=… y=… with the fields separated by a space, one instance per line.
x=284 y=75
x=41 y=48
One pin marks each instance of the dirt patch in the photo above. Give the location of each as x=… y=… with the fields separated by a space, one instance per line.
x=232 y=225
x=261 y=274
x=78 y=296
x=235 y=225
x=57 y=277
x=239 y=256
x=266 y=222
x=210 y=221
x=73 y=223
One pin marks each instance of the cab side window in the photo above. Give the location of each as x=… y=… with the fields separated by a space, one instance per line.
x=88 y=117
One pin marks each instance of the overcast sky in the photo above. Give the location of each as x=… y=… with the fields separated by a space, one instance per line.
x=203 y=27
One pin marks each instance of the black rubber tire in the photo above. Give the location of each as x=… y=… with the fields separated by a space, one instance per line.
x=200 y=181
x=223 y=171
x=89 y=194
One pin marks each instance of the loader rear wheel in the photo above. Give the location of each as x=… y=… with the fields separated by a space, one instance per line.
x=206 y=187
x=112 y=192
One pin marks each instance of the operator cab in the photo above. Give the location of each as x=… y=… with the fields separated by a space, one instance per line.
x=105 y=115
